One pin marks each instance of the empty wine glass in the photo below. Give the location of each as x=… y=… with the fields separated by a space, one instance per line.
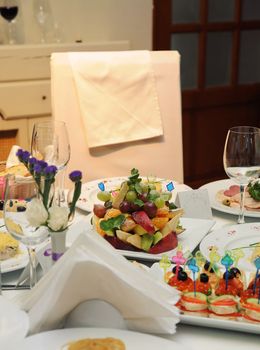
x=18 y=194
x=50 y=142
x=242 y=158
x=9 y=11
x=42 y=14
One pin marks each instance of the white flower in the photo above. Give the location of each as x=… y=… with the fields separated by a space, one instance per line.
x=58 y=218
x=36 y=213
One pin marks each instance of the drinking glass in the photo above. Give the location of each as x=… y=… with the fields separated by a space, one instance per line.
x=242 y=158
x=50 y=142
x=42 y=14
x=18 y=194
x=9 y=11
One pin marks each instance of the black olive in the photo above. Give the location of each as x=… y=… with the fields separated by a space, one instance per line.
x=204 y=278
x=235 y=271
x=206 y=267
x=230 y=275
x=20 y=208
x=179 y=269
x=182 y=276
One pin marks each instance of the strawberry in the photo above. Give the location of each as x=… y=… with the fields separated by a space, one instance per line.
x=142 y=219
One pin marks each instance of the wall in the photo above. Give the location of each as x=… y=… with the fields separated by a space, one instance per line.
x=88 y=20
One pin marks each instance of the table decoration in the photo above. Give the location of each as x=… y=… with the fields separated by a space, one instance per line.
x=45 y=210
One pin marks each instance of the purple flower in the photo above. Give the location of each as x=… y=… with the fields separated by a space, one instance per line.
x=50 y=170
x=42 y=164
x=22 y=155
x=32 y=160
x=37 y=168
x=75 y=175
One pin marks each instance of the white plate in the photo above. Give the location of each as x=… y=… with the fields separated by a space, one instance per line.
x=231 y=237
x=214 y=187
x=239 y=326
x=195 y=230
x=158 y=273
x=54 y=340
x=90 y=189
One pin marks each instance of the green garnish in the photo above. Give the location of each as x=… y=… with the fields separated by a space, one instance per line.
x=138 y=202
x=172 y=206
x=110 y=224
x=254 y=190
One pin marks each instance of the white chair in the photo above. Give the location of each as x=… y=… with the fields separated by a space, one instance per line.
x=161 y=156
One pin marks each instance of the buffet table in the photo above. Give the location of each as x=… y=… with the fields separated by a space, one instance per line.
x=189 y=336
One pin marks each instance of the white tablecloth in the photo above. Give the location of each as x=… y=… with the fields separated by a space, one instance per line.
x=195 y=337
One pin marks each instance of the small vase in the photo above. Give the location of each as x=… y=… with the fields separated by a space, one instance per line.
x=58 y=244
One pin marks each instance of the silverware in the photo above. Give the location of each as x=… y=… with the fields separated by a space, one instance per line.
x=14 y=287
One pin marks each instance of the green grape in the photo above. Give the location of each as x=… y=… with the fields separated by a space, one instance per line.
x=104 y=196
x=131 y=187
x=154 y=194
x=152 y=186
x=131 y=196
x=166 y=196
x=144 y=187
x=159 y=202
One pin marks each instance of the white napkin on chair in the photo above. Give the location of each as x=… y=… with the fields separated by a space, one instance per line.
x=92 y=269
x=117 y=96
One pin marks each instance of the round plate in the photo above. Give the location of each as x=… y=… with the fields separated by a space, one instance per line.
x=214 y=187
x=56 y=339
x=18 y=262
x=235 y=236
x=90 y=189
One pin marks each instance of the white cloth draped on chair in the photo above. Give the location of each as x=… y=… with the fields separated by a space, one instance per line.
x=152 y=155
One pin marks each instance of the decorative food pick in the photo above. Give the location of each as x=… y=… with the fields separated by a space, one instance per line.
x=236 y=255
x=214 y=258
x=178 y=259
x=170 y=186
x=165 y=263
x=194 y=268
x=200 y=259
x=257 y=265
x=227 y=261
x=101 y=186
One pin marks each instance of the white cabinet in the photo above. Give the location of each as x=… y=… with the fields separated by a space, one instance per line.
x=25 y=86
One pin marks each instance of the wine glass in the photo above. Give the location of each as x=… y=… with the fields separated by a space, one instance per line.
x=242 y=158
x=42 y=14
x=18 y=194
x=9 y=11
x=50 y=142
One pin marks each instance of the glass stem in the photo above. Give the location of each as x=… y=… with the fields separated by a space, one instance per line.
x=33 y=264
x=241 y=219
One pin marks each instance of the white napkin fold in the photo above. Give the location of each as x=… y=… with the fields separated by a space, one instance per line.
x=92 y=269
x=117 y=96
x=12 y=158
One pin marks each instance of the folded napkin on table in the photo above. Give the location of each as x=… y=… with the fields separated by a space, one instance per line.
x=12 y=158
x=91 y=269
x=117 y=96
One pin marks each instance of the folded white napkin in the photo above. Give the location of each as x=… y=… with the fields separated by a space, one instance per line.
x=14 y=324
x=91 y=269
x=117 y=96
x=12 y=159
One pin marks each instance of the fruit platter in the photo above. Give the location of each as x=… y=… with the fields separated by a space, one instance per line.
x=138 y=216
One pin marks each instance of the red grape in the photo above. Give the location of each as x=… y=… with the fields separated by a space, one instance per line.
x=150 y=209
x=99 y=210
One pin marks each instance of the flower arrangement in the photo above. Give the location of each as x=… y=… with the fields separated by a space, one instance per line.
x=43 y=210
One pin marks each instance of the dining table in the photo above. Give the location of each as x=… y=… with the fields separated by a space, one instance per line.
x=188 y=336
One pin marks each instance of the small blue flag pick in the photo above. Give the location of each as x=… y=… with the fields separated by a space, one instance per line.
x=170 y=186
x=194 y=268
x=227 y=261
x=101 y=186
